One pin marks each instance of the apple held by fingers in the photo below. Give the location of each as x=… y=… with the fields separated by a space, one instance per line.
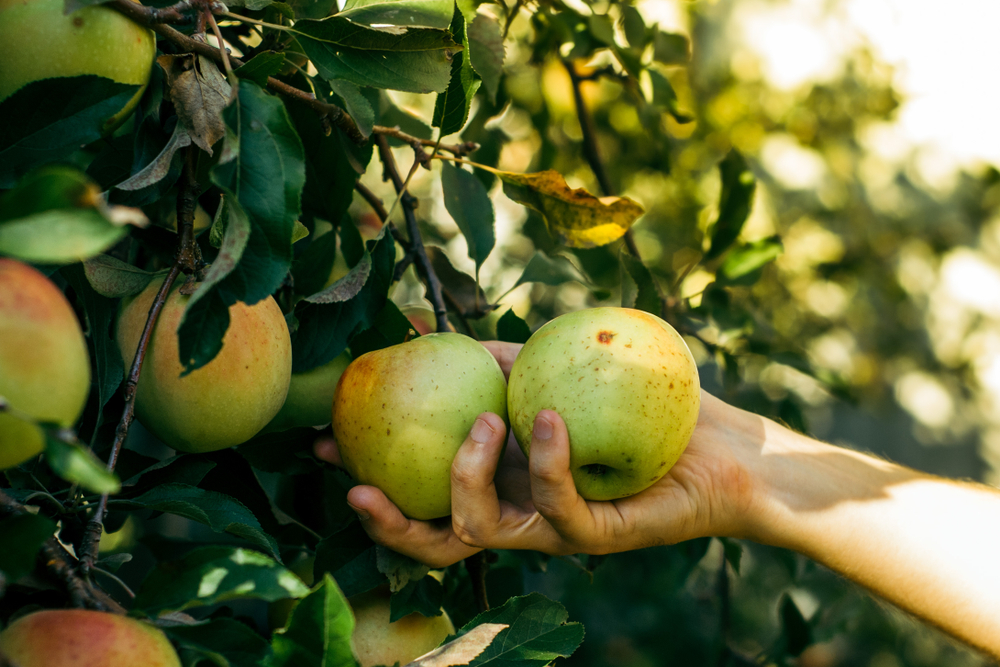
x=625 y=384
x=401 y=413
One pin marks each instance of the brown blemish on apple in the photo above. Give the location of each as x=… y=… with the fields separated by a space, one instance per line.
x=605 y=337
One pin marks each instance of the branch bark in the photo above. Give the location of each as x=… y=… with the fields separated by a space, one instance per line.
x=409 y=204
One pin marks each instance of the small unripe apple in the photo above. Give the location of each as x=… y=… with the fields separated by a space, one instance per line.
x=38 y=41
x=84 y=638
x=44 y=364
x=310 y=396
x=376 y=641
x=401 y=413
x=625 y=384
x=227 y=401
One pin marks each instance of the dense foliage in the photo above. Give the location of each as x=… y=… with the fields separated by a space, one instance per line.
x=355 y=164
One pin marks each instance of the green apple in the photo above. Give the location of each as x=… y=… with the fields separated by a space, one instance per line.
x=401 y=413
x=84 y=638
x=38 y=41
x=44 y=365
x=310 y=396
x=227 y=401
x=626 y=386
x=376 y=641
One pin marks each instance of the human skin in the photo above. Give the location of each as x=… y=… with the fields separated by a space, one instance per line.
x=44 y=364
x=924 y=543
x=84 y=638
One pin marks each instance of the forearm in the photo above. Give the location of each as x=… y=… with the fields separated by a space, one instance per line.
x=927 y=544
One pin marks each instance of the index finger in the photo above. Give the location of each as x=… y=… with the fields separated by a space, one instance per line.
x=505 y=353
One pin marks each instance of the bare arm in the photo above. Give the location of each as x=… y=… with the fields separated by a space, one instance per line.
x=927 y=544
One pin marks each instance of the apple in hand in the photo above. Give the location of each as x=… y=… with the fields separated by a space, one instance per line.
x=401 y=413
x=227 y=401
x=627 y=387
x=84 y=638
x=44 y=364
x=39 y=41
x=376 y=641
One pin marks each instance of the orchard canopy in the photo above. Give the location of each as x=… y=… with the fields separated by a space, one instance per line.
x=373 y=170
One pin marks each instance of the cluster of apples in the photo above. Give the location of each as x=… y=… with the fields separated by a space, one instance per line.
x=624 y=382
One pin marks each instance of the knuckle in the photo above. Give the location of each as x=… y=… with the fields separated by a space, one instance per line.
x=464 y=475
x=466 y=532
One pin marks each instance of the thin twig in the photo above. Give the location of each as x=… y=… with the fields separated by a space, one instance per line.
x=372 y=200
x=391 y=172
x=222 y=50
x=417 y=144
x=188 y=259
x=593 y=156
x=150 y=16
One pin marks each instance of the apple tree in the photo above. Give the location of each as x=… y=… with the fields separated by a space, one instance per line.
x=368 y=172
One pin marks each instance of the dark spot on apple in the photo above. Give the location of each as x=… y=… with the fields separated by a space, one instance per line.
x=605 y=337
x=628 y=459
x=663 y=463
x=671 y=385
x=78 y=21
x=595 y=469
x=388 y=432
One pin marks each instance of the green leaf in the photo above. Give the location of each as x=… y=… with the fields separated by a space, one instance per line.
x=575 y=218
x=113 y=278
x=417 y=60
x=220 y=512
x=350 y=556
x=733 y=551
x=56 y=216
x=216 y=574
x=512 y=329
x=391 y=327
x=78 y=465
x=222 y=641
x=423 y=596
x=486 y=53
x=634 y=27
x=738 y=186
x=101 y=313
x=400 y=570
x=318 y=631
x=261 y=66
x=470 y=206
x=460 y=285
x=22 y=537
x=47 y=120
x=312 y=268
x=642 y=293
x=451 y=109
x=671 y=48
x=537 y=633
x=795 y=632
x=329 y=319
x=549 y=270
x=665 y=97
x=356 y=104
x=741 y=263
x=408 y=13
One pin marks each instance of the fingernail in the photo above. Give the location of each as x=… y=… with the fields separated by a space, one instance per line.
x=543 y=429
x=482 y=431
x=362 y=514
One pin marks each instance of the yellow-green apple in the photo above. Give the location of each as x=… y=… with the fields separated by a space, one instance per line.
x=376 y=641
x=44 y=365
x=39 y=41
x=626 y=386
x=223 y=403
x=84 y=638
x=310 y=396
x=401 y=413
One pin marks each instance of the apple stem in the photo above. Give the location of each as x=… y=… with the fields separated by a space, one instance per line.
x=477 y=566
x=409 y=204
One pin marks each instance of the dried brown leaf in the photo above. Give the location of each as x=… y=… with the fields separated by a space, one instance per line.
x=463 y=650
x=199 y=92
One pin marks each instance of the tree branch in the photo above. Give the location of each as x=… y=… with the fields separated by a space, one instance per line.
x=188 y=260
x=417 y=144
x=592 y=154
x=408 y=202
x=150 y=16
x=478 y=566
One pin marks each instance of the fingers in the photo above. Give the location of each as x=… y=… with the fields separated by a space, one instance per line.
x=325 y=449
x=474 y=501
x=505 y=353
x=553 y=491
x=428 y=542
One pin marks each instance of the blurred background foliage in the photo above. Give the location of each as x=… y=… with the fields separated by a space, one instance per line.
x=878 y=327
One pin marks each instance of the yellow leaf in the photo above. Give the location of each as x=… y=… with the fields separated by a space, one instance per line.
x=576 y=218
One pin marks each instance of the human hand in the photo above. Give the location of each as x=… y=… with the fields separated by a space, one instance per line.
x=511 y=504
